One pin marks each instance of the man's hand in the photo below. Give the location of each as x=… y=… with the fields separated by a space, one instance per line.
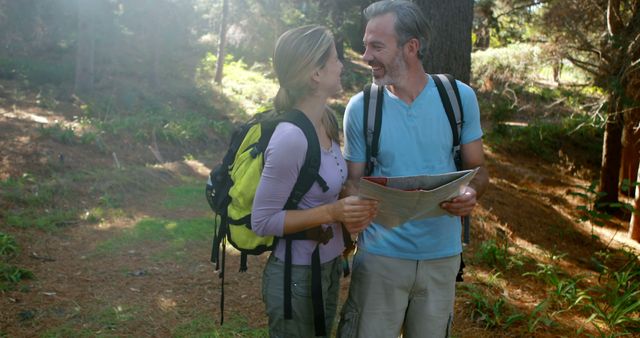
x=461 y=205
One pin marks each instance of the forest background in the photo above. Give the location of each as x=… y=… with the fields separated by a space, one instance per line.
x=113 y=112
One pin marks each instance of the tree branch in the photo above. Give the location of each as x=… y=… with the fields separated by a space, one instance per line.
x=523 y=6
x=586 y=66
x=614 y=21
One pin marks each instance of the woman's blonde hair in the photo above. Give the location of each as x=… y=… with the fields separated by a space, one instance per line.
x=298 y=53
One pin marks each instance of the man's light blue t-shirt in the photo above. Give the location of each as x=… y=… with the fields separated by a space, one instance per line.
x=415 y=139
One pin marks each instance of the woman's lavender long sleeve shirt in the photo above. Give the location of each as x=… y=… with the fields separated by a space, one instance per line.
x=284 y=157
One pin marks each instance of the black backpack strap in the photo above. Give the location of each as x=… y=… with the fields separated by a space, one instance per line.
x=450 y=97
x=316 y=294
x=372 y=122
x=308 y=175
x=309 y=170
x=288 y=312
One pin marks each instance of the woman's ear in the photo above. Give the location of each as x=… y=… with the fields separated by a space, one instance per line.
x=315 y=76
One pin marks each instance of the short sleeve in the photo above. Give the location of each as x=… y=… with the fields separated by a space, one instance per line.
x=471 y=128
x=354 y=143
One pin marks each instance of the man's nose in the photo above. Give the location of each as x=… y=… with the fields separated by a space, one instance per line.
x=366 y=56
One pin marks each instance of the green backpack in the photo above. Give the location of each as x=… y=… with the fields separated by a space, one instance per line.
x=231 y=189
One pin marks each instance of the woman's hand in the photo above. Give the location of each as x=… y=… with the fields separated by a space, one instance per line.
x=354 y=212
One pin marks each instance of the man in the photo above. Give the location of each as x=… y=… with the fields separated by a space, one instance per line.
x=404 y=277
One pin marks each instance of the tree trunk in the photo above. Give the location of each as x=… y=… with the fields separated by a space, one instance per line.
x=153 y=32
x=634 y=224
x=611 y=155
x=222 y=41
x=630 y=149
x=449 y=41
x=86 y=48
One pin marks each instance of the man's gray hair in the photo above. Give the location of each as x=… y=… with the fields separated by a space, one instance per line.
x=410 y=22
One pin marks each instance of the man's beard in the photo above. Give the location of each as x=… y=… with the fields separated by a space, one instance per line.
x=393 y=72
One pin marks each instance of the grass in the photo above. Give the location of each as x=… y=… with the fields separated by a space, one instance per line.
x=492 y=312
x=235 y=326
x=176 y=234
x=103 y=321
x=33 y=202
x=10 y=275
x=189 y=195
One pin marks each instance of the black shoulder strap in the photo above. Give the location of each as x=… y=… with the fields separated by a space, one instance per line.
x=450 y=97
x=372 y=122
x=308 y=175
x=309 y=170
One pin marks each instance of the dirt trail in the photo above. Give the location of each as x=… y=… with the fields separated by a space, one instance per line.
x=80 y=290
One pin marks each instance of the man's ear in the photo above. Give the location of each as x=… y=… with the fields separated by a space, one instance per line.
x=412 y=47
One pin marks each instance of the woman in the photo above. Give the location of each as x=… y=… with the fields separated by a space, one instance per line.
x=308 y=71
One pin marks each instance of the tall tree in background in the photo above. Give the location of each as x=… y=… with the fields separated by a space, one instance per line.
x=85 y=47
x=222 y=41
x=449 y=42
x=602 y=37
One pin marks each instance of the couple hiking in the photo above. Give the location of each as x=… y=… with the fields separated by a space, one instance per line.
x=403 y=278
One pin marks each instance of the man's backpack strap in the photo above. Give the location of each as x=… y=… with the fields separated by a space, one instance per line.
x=372 y=121
x=450 y=97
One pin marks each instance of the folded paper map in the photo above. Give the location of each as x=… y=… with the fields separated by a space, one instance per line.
x=406 y=198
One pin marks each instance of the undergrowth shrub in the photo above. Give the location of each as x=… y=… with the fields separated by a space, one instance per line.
x=32 y=202
x=37 y=72
x=490 y=311
x=9 y=273
x=614 y=303
x=245 y=85
x=514 y=63
x=548 y=139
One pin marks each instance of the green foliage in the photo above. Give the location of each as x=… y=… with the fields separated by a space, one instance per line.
x=31 y=202
x=491 y=311
x=540 y=317
x=10 y=275
x=615 y=304
x=66 y=330
x=206 y=326
x=35 y=71
x=8 y=246
x=60 y=133
x=496 y=254
x=27 y=191
x=249 y=88
x=108 y=207
x=47 y=220
x=547 y=139
x=113 y=317
x=166 y=123
x=493 y=254
x=514 y=63
x=595 y=212
x=185 y=196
